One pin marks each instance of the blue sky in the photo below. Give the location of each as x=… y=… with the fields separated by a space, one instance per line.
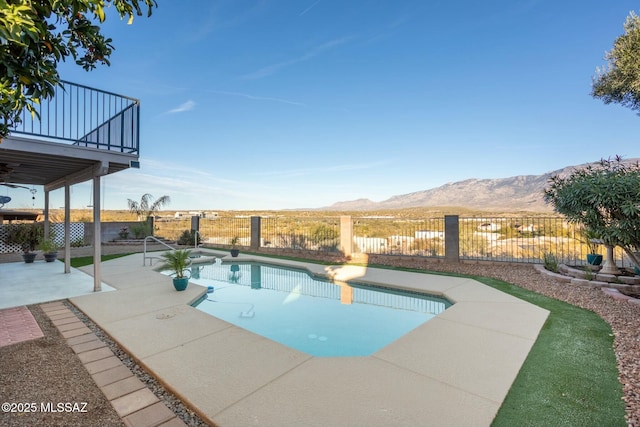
x=282 y=104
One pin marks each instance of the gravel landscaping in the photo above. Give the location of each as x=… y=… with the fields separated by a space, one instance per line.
x=47 y=370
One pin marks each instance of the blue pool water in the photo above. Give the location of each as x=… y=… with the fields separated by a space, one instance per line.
x=309 y=314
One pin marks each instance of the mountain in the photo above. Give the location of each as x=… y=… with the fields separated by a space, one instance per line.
x=518 y=193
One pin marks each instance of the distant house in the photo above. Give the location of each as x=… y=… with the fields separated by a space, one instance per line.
x=489 y=226
x=370 y=244
x=426 y=234
x=525 y=228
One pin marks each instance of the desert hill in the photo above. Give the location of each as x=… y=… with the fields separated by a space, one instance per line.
x=517 y=193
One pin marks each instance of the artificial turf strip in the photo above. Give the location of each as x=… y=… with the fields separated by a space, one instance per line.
x=88 y=260
x=570 y=377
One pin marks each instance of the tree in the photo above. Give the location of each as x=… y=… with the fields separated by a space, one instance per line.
x=147 y=207
x=620 y=81
x=35 y=35
x=605 y=199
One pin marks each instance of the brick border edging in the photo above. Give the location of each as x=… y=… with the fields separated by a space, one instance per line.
x=132 y=400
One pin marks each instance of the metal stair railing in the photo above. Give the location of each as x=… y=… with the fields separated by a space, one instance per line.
x=84 y=116
x=196 y=236
x=144 y=259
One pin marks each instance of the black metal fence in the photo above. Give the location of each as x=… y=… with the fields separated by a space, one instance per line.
x=519 y=239
x=86 y=117
x=319 y=234
x=390 y=236
x=222 y=230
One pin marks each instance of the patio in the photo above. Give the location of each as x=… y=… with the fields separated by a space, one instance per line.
x=454 y=370
x=24 y=284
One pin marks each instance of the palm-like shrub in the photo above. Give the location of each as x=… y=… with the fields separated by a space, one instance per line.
x=176 y=261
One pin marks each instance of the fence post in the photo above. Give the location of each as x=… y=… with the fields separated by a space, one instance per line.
x=151 y=225
x=195 y=223
x=255 y=233
x=346 y=235
x=452 y=238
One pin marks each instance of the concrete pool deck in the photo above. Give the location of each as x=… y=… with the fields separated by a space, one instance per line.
x=454 y=370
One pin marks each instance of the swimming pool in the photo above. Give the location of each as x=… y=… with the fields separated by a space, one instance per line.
x=310 y=314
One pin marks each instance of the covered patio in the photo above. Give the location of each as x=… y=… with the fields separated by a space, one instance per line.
x=81 y=134
x=40 y=282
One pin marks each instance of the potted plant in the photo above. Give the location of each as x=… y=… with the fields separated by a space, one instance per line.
x=49 y=249
x=593 y=243
x=124 y=233
x=234 y=246
x=178 y=262
x=27 y=236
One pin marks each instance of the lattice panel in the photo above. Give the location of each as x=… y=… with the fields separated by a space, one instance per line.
x=76 y=233
x=6 y=248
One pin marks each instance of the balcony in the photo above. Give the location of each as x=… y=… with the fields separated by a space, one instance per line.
x=78 y=134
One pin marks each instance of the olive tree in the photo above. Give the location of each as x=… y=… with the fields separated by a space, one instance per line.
x=619 y=82
x=35 y=35
x=605 y=199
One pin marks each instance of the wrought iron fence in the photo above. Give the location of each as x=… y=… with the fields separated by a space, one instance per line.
x=521 y=239
x=319 y=234
x=171 y=228
x=390 y=236
x=86 y=117
x=221 y=230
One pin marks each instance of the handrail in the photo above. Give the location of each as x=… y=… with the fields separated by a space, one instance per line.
x=85 y=116
x=144 y=259
x=197 y=233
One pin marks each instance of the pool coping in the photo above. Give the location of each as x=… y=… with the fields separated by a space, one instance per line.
x=455 y=369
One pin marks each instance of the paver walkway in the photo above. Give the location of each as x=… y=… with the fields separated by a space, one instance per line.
x=136 y=405
x=17 y=324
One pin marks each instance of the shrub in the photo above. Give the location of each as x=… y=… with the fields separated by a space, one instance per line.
x=141 y=230
x=550 y=262
x=188 y=238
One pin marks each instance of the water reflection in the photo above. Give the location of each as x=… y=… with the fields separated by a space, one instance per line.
x=234 y=273
x=261 y=276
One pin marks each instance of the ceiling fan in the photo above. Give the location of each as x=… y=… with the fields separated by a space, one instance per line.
x=5 y=170
x=6 y=184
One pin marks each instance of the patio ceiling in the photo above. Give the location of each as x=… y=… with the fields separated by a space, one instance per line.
x=52 y=164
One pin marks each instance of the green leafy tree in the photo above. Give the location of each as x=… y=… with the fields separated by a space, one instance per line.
x=35 y=35
x=603 y=198
x=147 y=206
x=619 y=82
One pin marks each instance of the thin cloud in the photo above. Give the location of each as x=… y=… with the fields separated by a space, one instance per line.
x=187 y=106
x=323 y=170
x=258 y=98
x=309 y=8
x=273 y=68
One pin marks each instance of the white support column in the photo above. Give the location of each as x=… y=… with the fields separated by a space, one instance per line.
x=46 y=214
x=67 y=229
x=97 y=236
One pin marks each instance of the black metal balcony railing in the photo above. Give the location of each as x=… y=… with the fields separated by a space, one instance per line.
x=86 y=117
